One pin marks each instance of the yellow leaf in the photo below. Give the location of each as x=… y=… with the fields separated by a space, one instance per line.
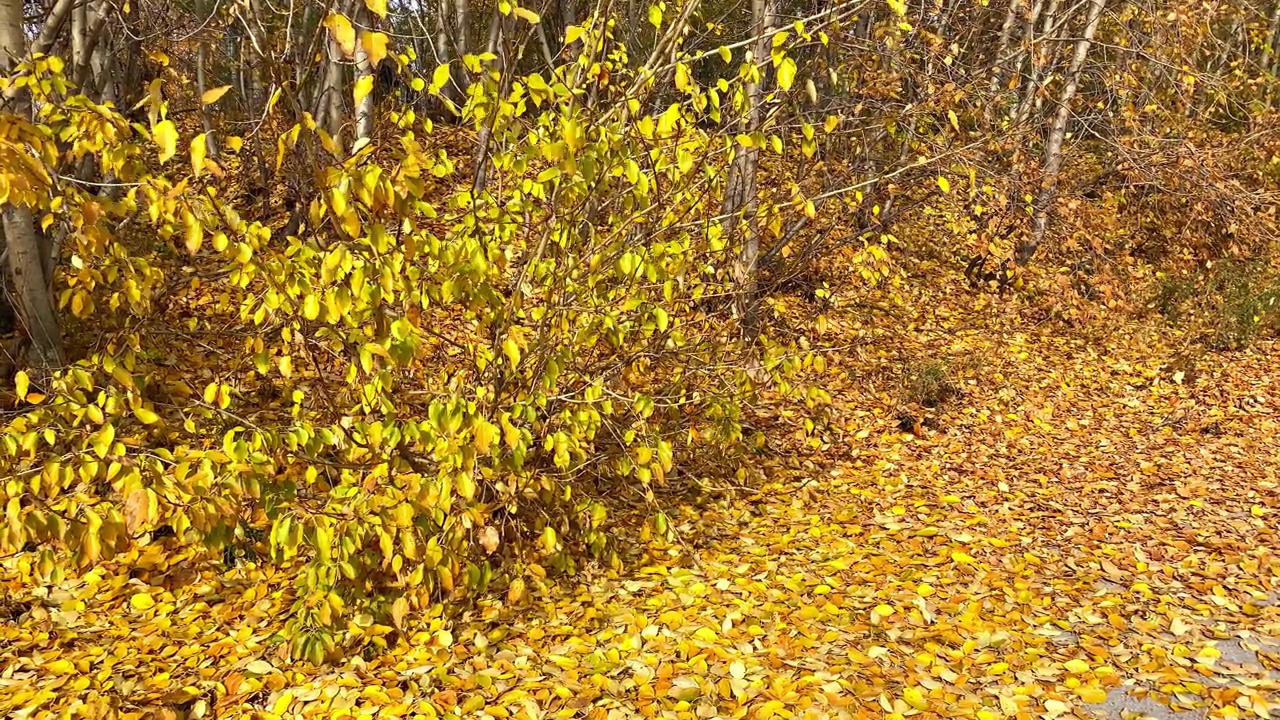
x=195 y=234
x=1055 y=707
x=725 y=54
x=1092 y=694
x=440 y=76
x=375 y=46
x=962 y=558
x=377 y=7
x=199 y=150
x=880 y=612
x=944 y=184
x=282 y=703
x=786 y=73
x=101 y=441
x=166 y=136
x=515 y=591
x=260 y=667
x=399 y=609
x=915 y=698
x=1076 y=666
x=363 y=87
x=142 y=601
x=465 y=485
x=955 y=121
x=213 y=95
x=60 y=667
x=512 y=350
x=924 y=590
x=342 y=32
x=444 y=638
x=1209 y=654
x=146 y=416
x=21 y=383
x=528 y=15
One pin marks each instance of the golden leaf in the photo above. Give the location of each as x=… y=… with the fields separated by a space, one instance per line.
x=363 y=87
x=166 y=136
x=375 y=46
x=213 y=95
x=342 y=32
x=199 y=151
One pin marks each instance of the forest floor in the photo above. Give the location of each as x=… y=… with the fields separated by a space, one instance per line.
x=1075 y=526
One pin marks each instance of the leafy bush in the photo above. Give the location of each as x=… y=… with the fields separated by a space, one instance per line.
x=424 y=386
x=930 y=383
x=1226 y=303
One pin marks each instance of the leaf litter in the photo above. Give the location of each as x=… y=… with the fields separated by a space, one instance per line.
x=1079 y=536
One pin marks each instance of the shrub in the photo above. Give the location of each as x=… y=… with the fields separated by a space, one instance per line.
x=432 y=382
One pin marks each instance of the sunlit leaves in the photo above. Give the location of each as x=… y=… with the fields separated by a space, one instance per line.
x=374 y=45
x=377 y=7
x=165 y=134
x=213 y=95
x=786 y=73
x=199 y=152
x=363 y=87
x=342 y=32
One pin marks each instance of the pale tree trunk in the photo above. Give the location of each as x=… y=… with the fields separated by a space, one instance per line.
x=79 y=31
x=331 y=98
x=1057 y=133
x=101 y=59
x=568 y=13
x=25 y=248
x=201 y=86
x=1002 y=47
x=1027 y=46
x=740 y=186
x=1038 y=60
x=364 y=69
x=486 y=131
x=461 y=24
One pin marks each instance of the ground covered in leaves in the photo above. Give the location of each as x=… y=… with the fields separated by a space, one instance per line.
x=1078 y=529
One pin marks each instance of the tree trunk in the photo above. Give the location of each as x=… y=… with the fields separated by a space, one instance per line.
x=79 y=32
x=331 y=99
x=740 y=186
x=1057 y=133
x=201 y=86
x=364 y=69
x=1027 y=46
x=24 y=248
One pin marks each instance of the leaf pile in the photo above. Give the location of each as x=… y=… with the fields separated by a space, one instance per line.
x=1077 y=525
